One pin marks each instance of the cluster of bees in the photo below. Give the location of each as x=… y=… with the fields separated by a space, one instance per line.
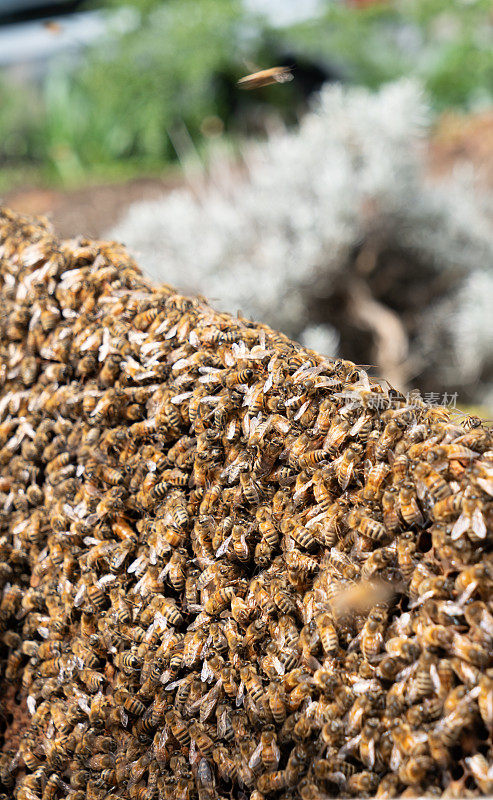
x=230 y=567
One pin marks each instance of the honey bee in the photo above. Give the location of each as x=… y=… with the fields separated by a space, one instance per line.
x=366 y=526
x=271 y=782
x=277 y=701
x=346 y=463
x=252 y=683
x=299 y=562
x=303 y=537
x=377 y=562
x=414 y=769
x=390 y=435
x=226 y=765
x=485 y=700
x=328 y=633
x=374 y=481
x=266 y=77
x=432 y=483
x=203 y=742
x=406 y=553
x=481 y=772
x=219 y=600
x=372 y=634
x=408 y=505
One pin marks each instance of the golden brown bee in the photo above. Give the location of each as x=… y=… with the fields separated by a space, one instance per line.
x=312 y=459
x=433 y=482
x=271 y=782
x=366 y=526
x=390 y=435
x=299 y=562
x=414 y=769
x=408 y=505
x=374 y=481
x=303 y=537
x=372 y=634
x=377 y=562
x=266 y=77
x=226 y=765
x=481 y=772
x=252 y=682
x=178 y=727
x=203 y=742
x=485 y=700
x=406 y=552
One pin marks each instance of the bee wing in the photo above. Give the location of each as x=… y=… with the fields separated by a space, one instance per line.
x=478 y=525
x=486 y=485
x=118 y=559
x=343 y=482
x=255 y=758
x=209 y=702
x=358 y=425
x=460 y=526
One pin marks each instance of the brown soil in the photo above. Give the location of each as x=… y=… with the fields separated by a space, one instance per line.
x=91 y=210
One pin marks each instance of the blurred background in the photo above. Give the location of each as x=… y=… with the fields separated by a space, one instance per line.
x=350 y=208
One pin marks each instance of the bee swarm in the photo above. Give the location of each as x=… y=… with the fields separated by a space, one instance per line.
x=230 y=567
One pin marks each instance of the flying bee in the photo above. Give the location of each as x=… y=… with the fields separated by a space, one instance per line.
x=266 y=77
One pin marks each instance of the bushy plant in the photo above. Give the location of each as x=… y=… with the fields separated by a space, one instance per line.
x=336 y=236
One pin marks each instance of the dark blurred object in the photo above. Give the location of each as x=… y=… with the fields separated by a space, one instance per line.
x=18 y=10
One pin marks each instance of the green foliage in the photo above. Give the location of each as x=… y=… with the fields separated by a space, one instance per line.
x=178 y=63
x=130 y=94
x=446 y=43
